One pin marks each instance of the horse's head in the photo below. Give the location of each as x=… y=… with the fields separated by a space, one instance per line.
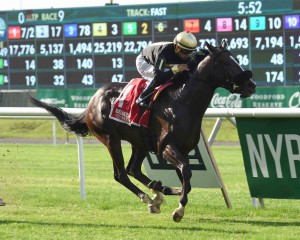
x=228 y=73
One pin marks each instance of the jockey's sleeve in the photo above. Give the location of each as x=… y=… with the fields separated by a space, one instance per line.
x=163 y=76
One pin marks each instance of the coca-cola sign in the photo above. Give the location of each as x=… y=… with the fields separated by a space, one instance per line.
x=264 y=97
x=229 y=101
x=294 y=101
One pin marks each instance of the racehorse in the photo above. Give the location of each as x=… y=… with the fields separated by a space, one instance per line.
x=174 y=124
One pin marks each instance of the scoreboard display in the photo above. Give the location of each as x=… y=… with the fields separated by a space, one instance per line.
x=87 y=47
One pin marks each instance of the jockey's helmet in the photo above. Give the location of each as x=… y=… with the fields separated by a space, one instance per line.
x=186 y=40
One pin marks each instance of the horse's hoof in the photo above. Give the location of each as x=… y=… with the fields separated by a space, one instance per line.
x=176 y=217
x=153 y=208
x=178 y=213
x=158 y=199
x=2 y=203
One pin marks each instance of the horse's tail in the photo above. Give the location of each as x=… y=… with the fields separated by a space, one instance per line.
x=69 y=122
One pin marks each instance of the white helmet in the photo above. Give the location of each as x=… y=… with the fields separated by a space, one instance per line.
x=186 y=40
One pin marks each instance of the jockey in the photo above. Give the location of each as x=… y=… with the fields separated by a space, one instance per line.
x=160 y=61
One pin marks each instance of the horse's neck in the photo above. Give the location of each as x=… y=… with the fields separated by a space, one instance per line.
x=198 y=92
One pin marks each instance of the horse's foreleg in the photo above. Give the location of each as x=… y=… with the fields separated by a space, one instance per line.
x=172 y=154
x=134 y=169
x=120 y=174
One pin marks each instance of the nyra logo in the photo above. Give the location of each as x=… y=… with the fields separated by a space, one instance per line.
x=278 y=156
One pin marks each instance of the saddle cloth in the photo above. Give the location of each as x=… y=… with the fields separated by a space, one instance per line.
x=124 y=108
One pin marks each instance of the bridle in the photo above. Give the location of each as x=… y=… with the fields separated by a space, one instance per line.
x=230 y=82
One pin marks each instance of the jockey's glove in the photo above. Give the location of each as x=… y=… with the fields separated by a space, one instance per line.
x=175 y=69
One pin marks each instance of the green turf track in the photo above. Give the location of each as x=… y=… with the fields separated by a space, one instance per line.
x=40 y=186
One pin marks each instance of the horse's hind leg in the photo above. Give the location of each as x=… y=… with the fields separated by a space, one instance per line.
x=120 y=174
x=134 y=169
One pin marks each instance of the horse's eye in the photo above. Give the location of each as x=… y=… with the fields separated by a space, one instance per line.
x=227 y=63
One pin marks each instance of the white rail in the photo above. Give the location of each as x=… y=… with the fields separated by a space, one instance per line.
x=34 y=112
x=253 y=112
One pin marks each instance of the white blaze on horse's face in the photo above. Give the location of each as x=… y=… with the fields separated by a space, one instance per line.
x=235 y=86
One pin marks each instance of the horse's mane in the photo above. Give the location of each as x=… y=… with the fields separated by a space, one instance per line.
x=180 y=79
x=193 y=62
x=196 y=58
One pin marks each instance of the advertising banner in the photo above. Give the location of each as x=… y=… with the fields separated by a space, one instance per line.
x=57 y=97
x=271 y=152
x=265 y=97
x=72 y=98
x=79 y=98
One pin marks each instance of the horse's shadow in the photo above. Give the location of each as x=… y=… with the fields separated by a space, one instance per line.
x=175 y=227
x=119 y=226
x=252 y=222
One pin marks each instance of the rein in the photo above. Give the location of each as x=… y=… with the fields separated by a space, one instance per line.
x=230 y=83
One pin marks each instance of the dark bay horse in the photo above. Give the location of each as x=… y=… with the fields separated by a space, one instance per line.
x=174 y=128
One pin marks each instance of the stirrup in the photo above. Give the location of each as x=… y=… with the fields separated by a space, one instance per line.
x=144 y=105
x=141 y=103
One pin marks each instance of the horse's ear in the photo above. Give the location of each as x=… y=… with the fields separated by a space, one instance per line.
x=224 y=44
x=210 y=47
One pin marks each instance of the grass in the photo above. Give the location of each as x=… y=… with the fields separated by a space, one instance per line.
x=40 y=185
x=30 y=129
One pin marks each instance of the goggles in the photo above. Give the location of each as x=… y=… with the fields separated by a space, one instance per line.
x=185 y=51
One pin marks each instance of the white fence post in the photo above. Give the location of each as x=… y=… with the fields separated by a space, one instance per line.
x=54 y=131
x=81 y=166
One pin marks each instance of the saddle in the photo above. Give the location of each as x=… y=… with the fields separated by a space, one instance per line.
x=124 y=108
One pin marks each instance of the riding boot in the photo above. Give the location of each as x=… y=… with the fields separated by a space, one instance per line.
x=145 y=97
